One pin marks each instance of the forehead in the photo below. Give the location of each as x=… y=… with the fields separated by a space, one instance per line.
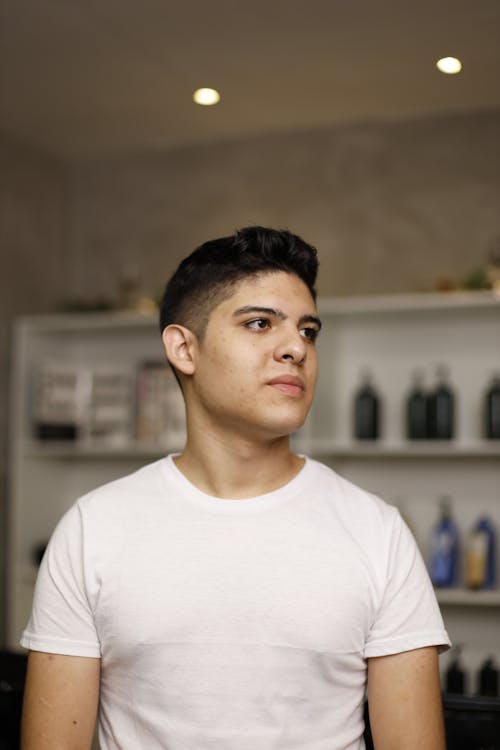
x=274 y=289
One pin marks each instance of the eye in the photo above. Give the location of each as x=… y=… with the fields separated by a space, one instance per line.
x=311 y=334
x=258 y=324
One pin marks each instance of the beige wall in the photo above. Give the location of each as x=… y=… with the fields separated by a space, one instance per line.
x=34 y=211
x=389 y=206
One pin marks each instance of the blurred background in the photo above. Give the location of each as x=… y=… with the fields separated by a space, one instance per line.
x=333 y=121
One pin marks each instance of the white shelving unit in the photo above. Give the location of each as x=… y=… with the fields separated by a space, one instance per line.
x=392 y=335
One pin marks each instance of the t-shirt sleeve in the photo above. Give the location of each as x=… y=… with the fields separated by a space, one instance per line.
x=62 y=620
x=408 y=616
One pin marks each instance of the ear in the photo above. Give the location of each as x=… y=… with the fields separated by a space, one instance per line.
x=180 y=345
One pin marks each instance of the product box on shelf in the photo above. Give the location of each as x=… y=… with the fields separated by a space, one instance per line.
x=59 y=401
x=110 y=406
x=84 y=404
x=159 y=404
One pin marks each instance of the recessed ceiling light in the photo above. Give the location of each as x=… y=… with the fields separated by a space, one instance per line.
x=206 y=97
x=449 y=65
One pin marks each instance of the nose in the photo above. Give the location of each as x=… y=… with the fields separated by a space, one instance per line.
x=292 y=347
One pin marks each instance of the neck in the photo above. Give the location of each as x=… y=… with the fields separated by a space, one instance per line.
x=231 y=466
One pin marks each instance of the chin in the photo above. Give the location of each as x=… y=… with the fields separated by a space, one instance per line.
x=285 y=427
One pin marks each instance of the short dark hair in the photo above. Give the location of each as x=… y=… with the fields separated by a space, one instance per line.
x=207 y=276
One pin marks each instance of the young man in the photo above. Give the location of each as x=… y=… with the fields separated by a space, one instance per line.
x=235 y=596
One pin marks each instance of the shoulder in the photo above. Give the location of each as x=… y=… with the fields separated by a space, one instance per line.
x=126 y=492
x=112 y=513
x=349 y=499
x=365 y=521
x=113 y=507
x=366 y=531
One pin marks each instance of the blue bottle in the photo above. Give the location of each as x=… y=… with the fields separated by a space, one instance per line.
x=444 y=548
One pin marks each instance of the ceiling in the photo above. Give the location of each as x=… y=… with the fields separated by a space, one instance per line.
x=83 y=77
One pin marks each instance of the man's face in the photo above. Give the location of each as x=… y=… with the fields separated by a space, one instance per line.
x=256 y=366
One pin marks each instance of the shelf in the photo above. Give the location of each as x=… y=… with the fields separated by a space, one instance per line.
x=420 y=449
x=317 y=447
x=464 y=597
x=63 y=449
x=89 y=321
x=360 y=305
x=87 y=450
x=448 y=597
x=416 y=302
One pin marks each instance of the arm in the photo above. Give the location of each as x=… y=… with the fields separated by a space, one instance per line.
x=60 y=702
x=404 y=701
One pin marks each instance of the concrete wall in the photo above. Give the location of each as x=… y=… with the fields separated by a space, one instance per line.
x=389 y=206
x=34 y=211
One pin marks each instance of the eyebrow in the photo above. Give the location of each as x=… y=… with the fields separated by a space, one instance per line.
x=276 y=313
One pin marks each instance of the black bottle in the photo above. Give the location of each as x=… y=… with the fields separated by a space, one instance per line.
x=488 y=679
x=455 y=677
x=441 y=408
x=416 y=410
x=366 y=410
x=492 y=430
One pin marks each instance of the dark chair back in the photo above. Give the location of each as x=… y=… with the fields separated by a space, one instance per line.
x=12 y=678
x=471 y=723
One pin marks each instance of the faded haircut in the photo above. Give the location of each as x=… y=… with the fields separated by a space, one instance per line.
x=208 y=276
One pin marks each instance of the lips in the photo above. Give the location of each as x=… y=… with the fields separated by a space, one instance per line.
x=291 y=385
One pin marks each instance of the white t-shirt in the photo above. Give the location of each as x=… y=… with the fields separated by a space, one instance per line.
x=232 y=624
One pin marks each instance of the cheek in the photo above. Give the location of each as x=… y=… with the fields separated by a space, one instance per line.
x=238 y=357
x=313 y=363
